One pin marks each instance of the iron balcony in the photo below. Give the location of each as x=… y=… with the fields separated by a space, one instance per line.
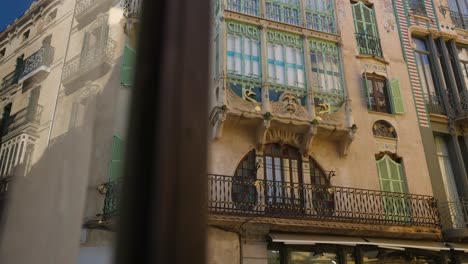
x=243 y=197
x=369 y=44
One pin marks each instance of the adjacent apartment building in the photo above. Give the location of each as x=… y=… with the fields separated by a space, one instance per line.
x=66 y=69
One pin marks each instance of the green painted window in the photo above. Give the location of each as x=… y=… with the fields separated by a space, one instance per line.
x=128 y=66
x=249 y=7
x=382 y=95
x=367 y=36
x=285 y=59
x=286 y=11
x=243 y=51
x=320 y=15
x=116 y=164
x=326 y=75
x=392 y=182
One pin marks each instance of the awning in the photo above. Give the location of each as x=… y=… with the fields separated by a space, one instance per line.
x=296 y=239
x=292 y=239
x=459 y=246
x=393 y=243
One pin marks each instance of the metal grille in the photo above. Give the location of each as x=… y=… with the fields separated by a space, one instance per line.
x=454 y=214
x=81 y=63
x=111 y=202
x=435 y=104
x=369 y=44
x=237 y=196
x=459 y=20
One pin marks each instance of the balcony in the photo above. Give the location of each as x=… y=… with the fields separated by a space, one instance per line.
x=86 y=9
x=9 y=81
x=459 y=20
x=22 y=119
x=435 y=104
x=418 y=7
x=132 y=8
x=369 y=45
x=232 y=196
x=454 y=218
x=38 y=64
x=111 y=201
x=90 y=65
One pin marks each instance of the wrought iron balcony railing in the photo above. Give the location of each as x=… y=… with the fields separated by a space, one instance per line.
x=241 y=196
x=132 y=8
x=454 y=214
x=459 y=20
x=86 y=62
x=29 y=115
x=435 y=104
x=85 y=7
x=249 y=7
x=38 y=61
x=111 y=201
x=369 y=44
x=9 y=80
x=418 y=7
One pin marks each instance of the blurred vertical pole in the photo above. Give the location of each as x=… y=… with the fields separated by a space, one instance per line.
x=163 y=209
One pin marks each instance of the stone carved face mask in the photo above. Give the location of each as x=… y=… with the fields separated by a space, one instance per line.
x=290 y=102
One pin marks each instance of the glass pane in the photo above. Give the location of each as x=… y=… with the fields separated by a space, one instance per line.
x=273 y=257
x=304 y=257
x=277 y=168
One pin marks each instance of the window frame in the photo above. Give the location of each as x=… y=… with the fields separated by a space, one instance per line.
x=337 y=89
x=313 y=11
x=245 y=58
x=368 y=43
x=299 y=69
x=276 y=10
x=376 y=107
x=241 y=6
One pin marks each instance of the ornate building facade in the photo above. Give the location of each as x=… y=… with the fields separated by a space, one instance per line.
x=315 y=154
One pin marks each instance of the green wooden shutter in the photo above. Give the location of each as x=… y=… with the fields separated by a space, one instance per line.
x=116 y=159
x=391 y=176
x=366 y=91
x=128 y=66
x=396 y=98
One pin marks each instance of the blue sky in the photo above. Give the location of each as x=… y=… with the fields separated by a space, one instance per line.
x=11 y=9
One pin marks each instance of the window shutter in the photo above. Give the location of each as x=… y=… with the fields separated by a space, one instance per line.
x=396 y=98
x=366 y=91
x=384 y=177
x=128 y=66
x=117 y=158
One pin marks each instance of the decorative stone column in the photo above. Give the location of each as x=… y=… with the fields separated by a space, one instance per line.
x=310 y=104
x=266 y=107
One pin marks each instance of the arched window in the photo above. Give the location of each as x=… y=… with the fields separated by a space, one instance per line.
x=382 y=128
x=282 y=187
x=244 y=193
